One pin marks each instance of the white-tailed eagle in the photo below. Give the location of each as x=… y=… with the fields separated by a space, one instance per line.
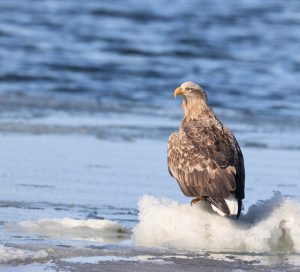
x=204 y=156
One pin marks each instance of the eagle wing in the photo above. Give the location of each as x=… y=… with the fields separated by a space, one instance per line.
x=206 y=161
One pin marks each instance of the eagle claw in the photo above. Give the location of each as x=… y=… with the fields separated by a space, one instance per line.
x=197 y=199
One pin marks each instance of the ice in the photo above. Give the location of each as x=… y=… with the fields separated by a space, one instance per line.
x=9 y=254
x=268 y=226
x=89 y=229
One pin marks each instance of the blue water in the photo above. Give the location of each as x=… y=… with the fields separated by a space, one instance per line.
x=128 y=56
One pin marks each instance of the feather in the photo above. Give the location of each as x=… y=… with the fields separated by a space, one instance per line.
x=204 y=156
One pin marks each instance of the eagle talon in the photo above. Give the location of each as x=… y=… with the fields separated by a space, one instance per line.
x=197 y=199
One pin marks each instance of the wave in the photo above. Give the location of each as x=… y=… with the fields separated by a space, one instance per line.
x=89 y=229
x=269 y=226
x=9 y=254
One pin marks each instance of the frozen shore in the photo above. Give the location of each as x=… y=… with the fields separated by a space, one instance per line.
x=69 y=202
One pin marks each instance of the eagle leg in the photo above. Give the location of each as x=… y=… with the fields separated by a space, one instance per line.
x=197 y=199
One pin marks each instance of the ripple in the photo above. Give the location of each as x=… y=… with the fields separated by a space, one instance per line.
x=124 y=57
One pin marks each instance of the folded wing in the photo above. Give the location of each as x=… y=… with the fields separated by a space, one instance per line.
x=206 y=161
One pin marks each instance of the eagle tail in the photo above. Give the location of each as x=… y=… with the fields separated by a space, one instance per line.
x=227 y=206
x=219 y=205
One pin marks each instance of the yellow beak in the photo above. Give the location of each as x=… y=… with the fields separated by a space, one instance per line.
x=178 y=91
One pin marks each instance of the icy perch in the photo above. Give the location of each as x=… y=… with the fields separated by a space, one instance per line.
x=269 y=226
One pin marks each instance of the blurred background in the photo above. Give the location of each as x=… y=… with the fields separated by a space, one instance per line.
x=117 y=59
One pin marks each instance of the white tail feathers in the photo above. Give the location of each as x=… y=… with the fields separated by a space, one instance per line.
x=232 y=204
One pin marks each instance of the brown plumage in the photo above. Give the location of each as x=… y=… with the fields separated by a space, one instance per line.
x=204 y=156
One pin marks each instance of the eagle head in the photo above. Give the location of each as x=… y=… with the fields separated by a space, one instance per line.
x=190 y=89
x=194 y=103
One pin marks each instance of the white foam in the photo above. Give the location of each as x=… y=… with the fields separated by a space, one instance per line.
x=272 y=225
x=9 y=254
x=90 y=229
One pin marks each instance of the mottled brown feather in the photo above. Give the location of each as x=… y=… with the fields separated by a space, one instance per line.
x=206 y=160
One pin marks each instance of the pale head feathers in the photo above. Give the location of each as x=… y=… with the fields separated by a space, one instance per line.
x=191 y=89
x=194 y=102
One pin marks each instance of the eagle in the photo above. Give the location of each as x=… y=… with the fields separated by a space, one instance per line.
x=204 y=156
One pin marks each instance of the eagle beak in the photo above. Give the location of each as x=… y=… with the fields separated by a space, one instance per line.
x=178 y=91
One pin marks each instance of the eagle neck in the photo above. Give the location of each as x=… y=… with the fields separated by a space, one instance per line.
x=195 y=109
